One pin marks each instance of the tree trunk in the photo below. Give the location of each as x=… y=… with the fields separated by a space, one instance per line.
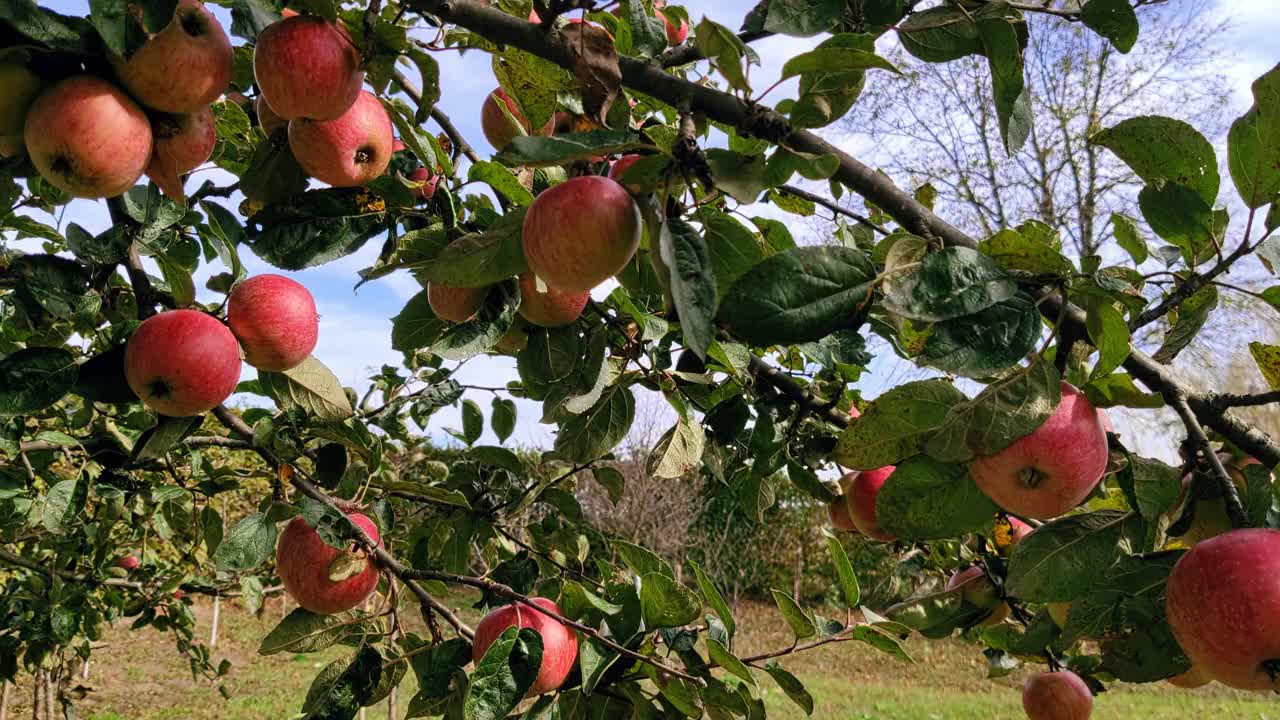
x=37 y=696
x=4 y=700
x=50 y=682
x=393 y=712
x=213 y=630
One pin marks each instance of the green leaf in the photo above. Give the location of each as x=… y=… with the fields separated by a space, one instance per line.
x=826 y=96
x=502 y=417
x=743 y=176
x=641 y=560
x=1114 y=20
x=693 y=286
x=951 y=283
x=896 y=426
x=343 y=686
x=1163 y=149
x=666 y=603
x=316 y=227
x=611 y=479
x=45 y=27
x=1129 y=239
x=416 y=326
x=881 y=641
x=35 y=378
x=800 y=295
x=167 y=432
x=648 y=35
x=1177 y=214
x=733 y=248
x=800 y=622
x=1156 y=487
x=985 y=343
x=435 y=667
x=503 y=675
x=1061 y=560
x=501 y=179
x=1110 y=334
x=589 y=436
x=678 y=452
x=1001 y=414
x=1015 y=251
x=844 y=571
x=107 y=247
x=63 y=502
x=496 y=315
x=534 y=151
x=835 y=59
x=803 y=18
x=481 y=259
x=54 y=285
x=940 y=34
x=928 y=500
x=725 y=50
x=1192 y=316
x=714 y=599
x=303 y=631
x=551 y=355
x=310 y=387
x=247 y=545
x=720 y=655
x=1253 y=144
x=472 y=421
x=790 y=685
x=274 y=175
x=1004 y=56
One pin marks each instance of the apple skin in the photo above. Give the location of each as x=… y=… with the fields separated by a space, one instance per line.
x=675 y=35
x=429 y=181
x=303 y=560
x=182 y=68
x=87 y=138
x=619 y=167
x=862 y=502
x=182 y=144
x=129 y=562
x=1058 y=695
x=1052 y=470
x=19 y=87
x=307 y=67
x=838 y=509
x=1223 y=605
x=559 y=643
x=351 y=151
x=182 y=362
x=268 y=120
x=581 y=232
x=980 y=592
x=497 y=127
x=455 y=304
x=550 y=308
x=1193 y=678
x=275 y=320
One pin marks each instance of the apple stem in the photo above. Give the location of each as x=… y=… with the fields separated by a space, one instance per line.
x=1198 y=438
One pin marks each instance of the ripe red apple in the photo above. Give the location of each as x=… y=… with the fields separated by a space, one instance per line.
x=398 y=145
x=455 y=304
x=1193 y=678
x=19 y=87
x=307 y=67
x=275 y=320
x=862 y=502
x=182 y=144
x=550 y=307
x=304 y=562
x=429 y=181
x=1058 y=695
x=268 y=120
x=1223 y=605
x=618 y=168
x=129 y=562
x=980 y=592
x=498 y=128
x=182 y=68
x=581 y=232
x=350 y=151
x=182 y=362
x=559 y=643
x=179 y=594
x=87 y=138
x=1052 y=470
x=675 y=35
x=838 y=509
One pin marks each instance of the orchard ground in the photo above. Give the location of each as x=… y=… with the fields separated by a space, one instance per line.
x=138 y=676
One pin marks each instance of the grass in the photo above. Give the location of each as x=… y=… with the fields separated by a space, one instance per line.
x=138 y=676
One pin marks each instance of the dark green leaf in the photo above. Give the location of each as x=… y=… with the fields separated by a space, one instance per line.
x=1163 y=149
x=534 y=151
x=343 y=687
x=316 y=227
x=998 y=416
x=482 y=259
x=951 y=283
x=1192 y=316
x=800 y=621
x=835 y=59
x=803 y=18
x=940 y=34
x=303 y=631
x=1114 y=20
x=247 y=545
x=1177 y=214
x=416 y=326
x=896 y=425
x=925 y=500
x=1004 y=56
x=844 y=572
x=714 y=599
x=589 y=436
x=501 y=179
x=1110 y=334
x=985 y=343
x=1128 y=237
x=666 y=603
x=35 y=378
x=1061 y=560
x=1253 y=144
x=693 y=286
x=503 y=675
x=791 y=686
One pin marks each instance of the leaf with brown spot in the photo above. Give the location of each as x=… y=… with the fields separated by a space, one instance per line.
x=594 y=61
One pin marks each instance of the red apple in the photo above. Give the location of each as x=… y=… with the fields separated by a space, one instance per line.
x=455 y=304
x=1193 y=678
x=549 y=307
x=182 y=68
x=581 y=232
x=398 y=145
x=350 y=151
x=19 y=87
x=182 y=144
x=619 y=168
x=838 y=509
x=1058 y=695
x=307 y=67
x=1106 y=421
x=268 y=120
x=980 y=592
x=304 y=563
x=675 y=35
x=129 y=562
x=179 y=594
x=862 y=502
x=1052 y=470
x=429 y=181
x=498 y=128
x=87 y=138
x=275 y=320
x=559 y=643
x=182 y=362
x=1223 y=605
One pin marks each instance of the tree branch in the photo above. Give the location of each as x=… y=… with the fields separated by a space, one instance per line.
x=444 y=121
x=1191 y=285
x=83 y=579
x=766 y=374
x=1230 y=496
x=1223 y=401
x=832 y=206
x=90 y=443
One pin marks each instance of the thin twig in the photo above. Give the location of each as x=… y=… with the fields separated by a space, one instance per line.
x=1235 y=510
x=1227 y=400
x=833 y=207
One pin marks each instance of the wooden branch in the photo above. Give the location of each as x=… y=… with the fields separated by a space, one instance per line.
x=1230 y=496
x=83 y=579
x=1227 y=400
x=766 y=374
x=91 y=443
x=832 y=206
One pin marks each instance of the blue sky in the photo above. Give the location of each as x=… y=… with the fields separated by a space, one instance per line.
x=355 y=325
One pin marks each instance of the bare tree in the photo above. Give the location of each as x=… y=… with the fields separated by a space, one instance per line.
x=939 y=126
